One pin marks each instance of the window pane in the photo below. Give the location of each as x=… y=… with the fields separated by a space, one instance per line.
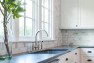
x=22 y=13
x=42 y=14
x=44 y=27
x=1 y=26
x=36 y=12
x=1 y=29
x=32 y=15
x=29 y=8
x=21 y=26
x=22 y=2
x=28 y=31
x=45 y=3
x=46 y=15
x=36 y=2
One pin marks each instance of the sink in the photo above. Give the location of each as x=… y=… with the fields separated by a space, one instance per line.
x=50 y=51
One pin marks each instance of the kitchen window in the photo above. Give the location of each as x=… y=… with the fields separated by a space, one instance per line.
x=28 y=20
x=46 y=18
x=38 y=15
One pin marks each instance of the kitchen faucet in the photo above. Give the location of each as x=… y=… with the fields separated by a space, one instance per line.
x=71 y=44
x=36 y=45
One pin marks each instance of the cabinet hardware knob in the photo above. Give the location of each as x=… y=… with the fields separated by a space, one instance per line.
x=76 y=25
x=89 y=60
x=75 y=53
x=66 y=59
x=89 y=51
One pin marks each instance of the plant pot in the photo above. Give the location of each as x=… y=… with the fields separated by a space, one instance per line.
x=3 y=52
x=5 y=57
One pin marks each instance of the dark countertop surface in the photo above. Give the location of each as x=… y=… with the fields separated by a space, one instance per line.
x=86 y=47
x=37 y=58
x=29 y=58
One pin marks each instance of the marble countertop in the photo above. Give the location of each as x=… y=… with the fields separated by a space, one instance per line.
x=37 y=58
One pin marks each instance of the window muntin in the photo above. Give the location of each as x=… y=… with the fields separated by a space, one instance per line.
x=47 y=17
x=38 y=15
x=1 y=26
x=25 y=22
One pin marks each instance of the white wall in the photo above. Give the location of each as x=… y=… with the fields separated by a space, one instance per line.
x=57 y=18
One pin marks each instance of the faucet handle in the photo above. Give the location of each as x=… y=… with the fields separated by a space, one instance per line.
x=41 y=44
x=71 y=44
x=32 y=46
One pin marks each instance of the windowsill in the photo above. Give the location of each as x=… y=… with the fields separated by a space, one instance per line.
x=34 y=41
x=31 y=41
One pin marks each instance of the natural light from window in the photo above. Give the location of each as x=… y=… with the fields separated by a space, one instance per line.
x=37 y=16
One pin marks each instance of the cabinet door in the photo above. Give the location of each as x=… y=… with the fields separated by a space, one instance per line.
x=87 y=51
x=69 y=14
x=87 y=59
x=67 y=58
x=76 y=56
x=71 y=57
x=63 y=59
x=87 y=14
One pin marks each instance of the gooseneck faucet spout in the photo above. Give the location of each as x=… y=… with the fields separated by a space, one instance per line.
x=36 y=42
x=39 y=32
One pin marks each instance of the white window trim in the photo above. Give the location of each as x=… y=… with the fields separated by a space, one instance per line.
x=39 y=26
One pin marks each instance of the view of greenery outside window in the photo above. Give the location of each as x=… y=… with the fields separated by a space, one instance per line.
x=38 y=15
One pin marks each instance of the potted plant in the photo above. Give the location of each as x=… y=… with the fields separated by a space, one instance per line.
x=8 y=7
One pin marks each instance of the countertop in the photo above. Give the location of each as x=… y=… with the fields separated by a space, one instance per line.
x=29 y=58
x=37 y=58
x=86 y=47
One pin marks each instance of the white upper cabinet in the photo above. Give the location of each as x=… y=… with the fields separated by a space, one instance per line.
x=77 y=14
x=69 y=14
x=87 y=14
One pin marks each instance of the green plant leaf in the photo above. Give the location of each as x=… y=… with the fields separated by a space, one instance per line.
x=13 y=6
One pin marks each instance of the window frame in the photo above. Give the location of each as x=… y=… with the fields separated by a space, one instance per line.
x=37 y=25
x=50 y=9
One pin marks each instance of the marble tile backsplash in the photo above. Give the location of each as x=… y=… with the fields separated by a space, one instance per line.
x=25 y=47
x=78 y=37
